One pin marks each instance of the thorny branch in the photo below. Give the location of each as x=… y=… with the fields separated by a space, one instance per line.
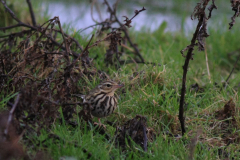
x=38 y=66
x=235 y=7
x=129 y=21
x=200 y=34
x=37 y=29
x=57 y=75
x=210 y=8
x=122 y=27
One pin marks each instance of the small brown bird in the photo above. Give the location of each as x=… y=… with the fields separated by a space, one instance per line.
x=102 y=99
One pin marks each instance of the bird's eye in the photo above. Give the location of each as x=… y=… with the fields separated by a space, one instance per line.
x=108 y=85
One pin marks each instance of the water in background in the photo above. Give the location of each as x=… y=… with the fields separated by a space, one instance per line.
x=77 y=14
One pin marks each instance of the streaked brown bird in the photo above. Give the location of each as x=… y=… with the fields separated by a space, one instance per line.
x=102 y=100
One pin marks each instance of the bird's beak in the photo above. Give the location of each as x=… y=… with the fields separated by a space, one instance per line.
x=119 y=86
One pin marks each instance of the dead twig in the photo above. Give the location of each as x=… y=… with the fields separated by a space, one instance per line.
x=200 y=34
x=31 y=12
x=212 y=6
x=11 y=115
x=38 y=29
x=10 y=12
x=97 y=24
x=129 y=21
x=66 y=44
x=235 y=7
x=137 y=52
x=234 y=66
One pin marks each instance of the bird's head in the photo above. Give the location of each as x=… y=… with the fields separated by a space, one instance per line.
x=109 y=87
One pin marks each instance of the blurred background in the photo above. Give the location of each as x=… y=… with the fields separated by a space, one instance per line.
x=173 y=17
x=176 y=13
x=79 y=14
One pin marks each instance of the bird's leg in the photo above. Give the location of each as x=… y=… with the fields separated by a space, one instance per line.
x=100 y=124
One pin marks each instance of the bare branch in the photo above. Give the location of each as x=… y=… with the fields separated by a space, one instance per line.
x=10 y=11
x=11 y=115
x=236 y=8
x=124 y=30
x=200 y=33
x=234 y=66
x=31 y=12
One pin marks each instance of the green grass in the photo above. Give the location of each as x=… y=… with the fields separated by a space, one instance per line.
x=144 y=96
x=154 y=93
